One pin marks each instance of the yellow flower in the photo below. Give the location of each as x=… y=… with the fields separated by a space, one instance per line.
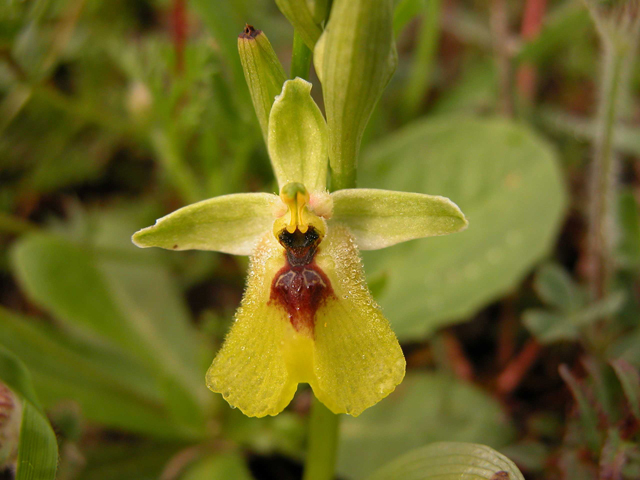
x=307 y=315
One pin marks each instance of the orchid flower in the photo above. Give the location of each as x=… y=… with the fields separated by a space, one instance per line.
x=307 y=315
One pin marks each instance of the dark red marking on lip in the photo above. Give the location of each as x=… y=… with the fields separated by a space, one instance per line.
x=301 y=286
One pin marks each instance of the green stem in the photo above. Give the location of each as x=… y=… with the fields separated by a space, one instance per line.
x=603 y=173
x=301 y=58
x=323 y=443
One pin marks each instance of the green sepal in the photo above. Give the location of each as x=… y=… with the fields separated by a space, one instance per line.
x=355 y=59
x=304 y=20
x=298 y=138
x=381 y=218
x=229 y=224
x=262 y=71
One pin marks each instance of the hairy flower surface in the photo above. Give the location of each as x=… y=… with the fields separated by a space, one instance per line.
x=307 y=315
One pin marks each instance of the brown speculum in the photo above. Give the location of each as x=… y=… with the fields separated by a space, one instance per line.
x=300 y=286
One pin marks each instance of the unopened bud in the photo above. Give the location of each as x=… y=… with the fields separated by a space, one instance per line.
x=262 y=71
x=305 y=20
x=354 y=59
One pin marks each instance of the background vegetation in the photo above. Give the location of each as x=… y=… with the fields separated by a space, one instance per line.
x=521 y=333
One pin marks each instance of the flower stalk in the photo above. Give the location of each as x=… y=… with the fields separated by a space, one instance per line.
x=619 y=34
x=301 y=58
x=324 y=433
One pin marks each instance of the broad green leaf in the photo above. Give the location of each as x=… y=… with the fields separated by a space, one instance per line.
x=352 y=82
x=229 y=224
x=381 y=218
x=450 y=461
x=630 y=381
x=37 y=447
x=111 y=389
x=263 y=73
x=131 y=307
x=219 y=467
x=63 y=278
x=424 y=408
x=556 y=287
x=302 y=19
x=506 y=181
x=298 y=137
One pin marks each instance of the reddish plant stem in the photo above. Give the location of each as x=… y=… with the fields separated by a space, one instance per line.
x=179 y=28
x=460 y=364
x=506 y=332
x=515 y=371
x=526 y=77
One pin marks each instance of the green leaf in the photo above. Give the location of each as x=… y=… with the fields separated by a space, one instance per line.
x=381 y=218
x=219 y=467
x=302 y=19
x=130 y=307
x=556 y=287
x=298 y=137
x=37 y=448
x=450 y=461
x=424 y=408
x=630 y=381
x=111 y=389
x=506 y=181
x=262 y=71
x=352 y=82
x=229 y=224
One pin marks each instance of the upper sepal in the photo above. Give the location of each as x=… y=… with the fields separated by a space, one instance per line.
x=381 y=218
x=229 y=224
x=298 y=138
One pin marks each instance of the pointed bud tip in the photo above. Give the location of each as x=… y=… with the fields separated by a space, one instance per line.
x=249 y=32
